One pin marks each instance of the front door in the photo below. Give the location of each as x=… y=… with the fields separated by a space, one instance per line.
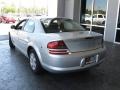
x=24 y=35
x=16 y=32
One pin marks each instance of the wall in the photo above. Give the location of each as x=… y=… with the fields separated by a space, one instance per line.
x=61 y=8
x=76 y=15
x=52 y=8
x=69 y=8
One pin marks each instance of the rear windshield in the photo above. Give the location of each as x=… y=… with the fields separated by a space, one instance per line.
x=61 y=25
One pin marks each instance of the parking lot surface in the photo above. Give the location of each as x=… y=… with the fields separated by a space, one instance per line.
x=4 y=28
x=15 y=73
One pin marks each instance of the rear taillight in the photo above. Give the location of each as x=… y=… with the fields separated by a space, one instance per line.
x=57 y=47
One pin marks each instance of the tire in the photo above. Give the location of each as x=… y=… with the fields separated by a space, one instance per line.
x=34 y=62
x=12 y=46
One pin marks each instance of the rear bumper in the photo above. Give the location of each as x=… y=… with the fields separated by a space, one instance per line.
x=70 y=69
x=73 y=62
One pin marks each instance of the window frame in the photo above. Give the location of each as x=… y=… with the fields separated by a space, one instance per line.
x=18 y=24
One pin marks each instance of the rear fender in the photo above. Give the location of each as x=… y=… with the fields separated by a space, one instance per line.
x=36 y=50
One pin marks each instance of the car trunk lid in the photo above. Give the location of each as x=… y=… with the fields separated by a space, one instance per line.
x=78 y=41
x=84 y=44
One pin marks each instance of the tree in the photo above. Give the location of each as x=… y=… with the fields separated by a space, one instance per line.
x=8 y=9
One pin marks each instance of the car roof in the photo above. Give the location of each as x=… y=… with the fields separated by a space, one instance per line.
x=34 y=18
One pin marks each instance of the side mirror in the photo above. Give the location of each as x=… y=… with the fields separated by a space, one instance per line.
x=13 y=27
x=20 y=27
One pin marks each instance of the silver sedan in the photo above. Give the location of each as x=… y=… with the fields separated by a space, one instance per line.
x=61 y=45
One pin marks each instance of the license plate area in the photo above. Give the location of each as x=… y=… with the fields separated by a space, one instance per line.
x=90 y=60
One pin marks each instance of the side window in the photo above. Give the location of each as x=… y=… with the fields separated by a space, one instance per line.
x=21 y=24
x=30 y=26
x=100 y=16
x=54 y=24
x=46 y=22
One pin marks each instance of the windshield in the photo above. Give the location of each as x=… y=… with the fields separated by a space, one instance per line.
x=70 y=25
x=62 y=25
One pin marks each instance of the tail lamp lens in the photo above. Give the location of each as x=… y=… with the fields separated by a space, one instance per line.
x=57 y=47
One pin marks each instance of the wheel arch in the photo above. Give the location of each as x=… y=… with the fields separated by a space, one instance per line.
x=36 y=50
x=28 y=50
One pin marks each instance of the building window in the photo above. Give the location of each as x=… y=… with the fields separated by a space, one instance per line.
x=117 y=38
x=93 y=15
x=100 y=12
x=86 y=11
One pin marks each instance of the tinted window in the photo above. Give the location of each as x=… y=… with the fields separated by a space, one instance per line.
x=63 y=25
x=46 y=21
x=118 y=36
x=70 y=25
x=30 y=26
